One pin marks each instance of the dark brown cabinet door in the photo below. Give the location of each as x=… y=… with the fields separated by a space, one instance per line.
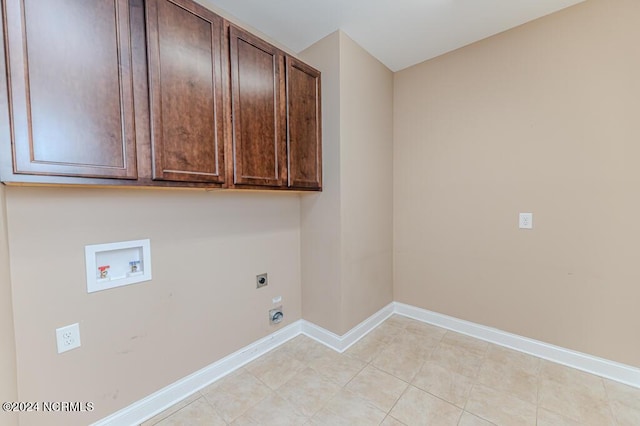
x=185 y=74
x=304 y=125
x=258 y=111
x=71 y=87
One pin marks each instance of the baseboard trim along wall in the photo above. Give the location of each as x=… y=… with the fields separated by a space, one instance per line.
x=591 y=364
x=157 y=402
x=342 y=343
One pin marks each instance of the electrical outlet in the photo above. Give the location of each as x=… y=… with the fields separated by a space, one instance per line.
x=276 y=315
x=526 y=221
x=68 y=337
x=262 y=280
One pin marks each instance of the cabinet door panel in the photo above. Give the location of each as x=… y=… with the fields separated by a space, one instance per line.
x=185 y=43
x=304 y=125
x=71 y=87
x=258 y=111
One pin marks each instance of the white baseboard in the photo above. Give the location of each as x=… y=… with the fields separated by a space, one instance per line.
x=589 y=363
x=342 y=343
x=159 y=401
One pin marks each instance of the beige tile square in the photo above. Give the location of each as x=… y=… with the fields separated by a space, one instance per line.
x=402 y=365
x=471 y=344
x=575 y=379
x=337 y=367
x=275 y=368
x=390 y=421
x=622 y=393
x=509 y=378
x=308 y=391
x=235 y=394
x=243 y=420
x=355 y=410
x=366 y=349
x=325 y=417
x=444 y=383
x=573 y=399
x=399 y=321
x=199 y=412
x=174 y=408
x=469 y=419
x=624 y=401
x=416 y=407
x=500 y=408
x=547 y=418
x=523 y=362
x=380 y=388
x=292 y=344
x=624 y=414
x=385 y=332
x=307 y=350
x=273 y=410
x=414 y=345
x=458 y=359
x=427 y=331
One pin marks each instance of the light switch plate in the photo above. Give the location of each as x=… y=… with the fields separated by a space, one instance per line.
x=526 y=221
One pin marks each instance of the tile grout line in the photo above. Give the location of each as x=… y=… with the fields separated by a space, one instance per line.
x=381 y=345
x=399 y=398
x=606 y=392
x=386 y=345
x=538 y=392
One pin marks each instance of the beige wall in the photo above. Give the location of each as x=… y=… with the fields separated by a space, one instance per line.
x=366 y=153
x=542 y=119
x=8 y=380
x=321 y=228
x=346 y=231
x=207 y=248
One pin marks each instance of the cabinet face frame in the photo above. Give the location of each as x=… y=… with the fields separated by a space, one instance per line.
x=304 y=151
x=158 y=112
x=242 y=148
x=23 y=149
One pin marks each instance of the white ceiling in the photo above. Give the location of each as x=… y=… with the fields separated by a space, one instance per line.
x=400 y=33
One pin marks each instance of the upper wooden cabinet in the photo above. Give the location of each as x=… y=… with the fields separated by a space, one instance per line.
x=71 y=87
x=258 y=113
x=304 y=125
x=185 y=74
x=151 y=93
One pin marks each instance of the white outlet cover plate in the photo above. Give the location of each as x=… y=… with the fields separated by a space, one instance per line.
x=68 y=337
x=526 y=221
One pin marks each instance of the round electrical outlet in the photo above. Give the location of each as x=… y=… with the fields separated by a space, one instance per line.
x=276 y=315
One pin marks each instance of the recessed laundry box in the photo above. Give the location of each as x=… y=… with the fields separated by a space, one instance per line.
x=117 y=264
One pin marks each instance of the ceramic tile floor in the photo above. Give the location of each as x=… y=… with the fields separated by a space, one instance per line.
x=406 y=373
